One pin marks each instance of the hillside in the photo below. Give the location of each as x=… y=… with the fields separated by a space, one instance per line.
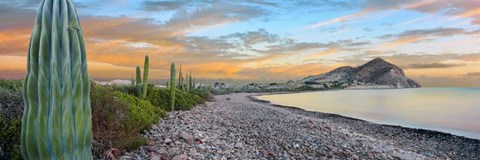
x=377 y=73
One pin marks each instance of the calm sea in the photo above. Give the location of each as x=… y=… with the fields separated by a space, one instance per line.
x=451 y=110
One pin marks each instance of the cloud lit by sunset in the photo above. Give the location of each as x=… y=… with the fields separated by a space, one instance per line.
x=435 y=42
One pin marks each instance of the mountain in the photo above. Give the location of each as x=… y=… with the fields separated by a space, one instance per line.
x=377 y=73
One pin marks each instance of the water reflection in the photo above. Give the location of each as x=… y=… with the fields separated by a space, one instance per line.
x=452 y=110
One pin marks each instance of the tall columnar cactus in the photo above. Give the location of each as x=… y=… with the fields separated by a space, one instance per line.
x=180 y=79
x=172 y=86
x=57 y=120
x=132 y=82
x=138 y=85
x=194 y=83
x=138 y=78
x=187 y=86
x=190 y=82
x=145 y=77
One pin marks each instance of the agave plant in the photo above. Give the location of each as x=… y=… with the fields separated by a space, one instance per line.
x=57 y=120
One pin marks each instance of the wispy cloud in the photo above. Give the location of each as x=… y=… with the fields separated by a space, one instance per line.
x=433 y=65
x=339 y=19
x=412 y=36
x=473 y=74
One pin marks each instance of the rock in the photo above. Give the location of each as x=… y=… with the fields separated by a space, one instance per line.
x=296 y=146
x=125 y=158
x=193 y=152
x=238 y=145
x=155 y=157
x=186 y=137
x=162 y=150
x=341 y=154
x=151 y=142
x=167 y=141
x=164 y=157
x=173 y=151
x=180 y=157
x=355 y=157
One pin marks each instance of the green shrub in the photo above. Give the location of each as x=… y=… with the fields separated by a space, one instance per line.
x=11 y=85
x=141 y=113
x=204 y=94
x=11 y=99
x=128 y=89
x=116 y=119
x=11 y=110
x=159 y=97
x=10 y=138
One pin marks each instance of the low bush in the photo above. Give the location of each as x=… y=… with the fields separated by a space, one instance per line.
x=10 y=130
x=11 y=99
x=11 y=110
x=118 y=119
x=205 y=94
x=141 y=113
x=160 y=97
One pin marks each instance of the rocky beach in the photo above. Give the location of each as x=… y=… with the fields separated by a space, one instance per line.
x=237 y=126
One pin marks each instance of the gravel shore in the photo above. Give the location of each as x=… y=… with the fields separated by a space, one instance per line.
x=239 y=127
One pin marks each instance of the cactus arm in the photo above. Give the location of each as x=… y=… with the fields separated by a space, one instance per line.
x=145 y=77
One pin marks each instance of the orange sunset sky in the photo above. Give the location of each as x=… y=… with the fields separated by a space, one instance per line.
x=436 y=42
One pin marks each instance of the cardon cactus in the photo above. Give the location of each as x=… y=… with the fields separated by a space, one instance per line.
x=172 y=86
x=138 y=85
x=57 y=119
x=180 y=79
x=132 y=81
x=187 y=86
x=190 y=82
x=138 y=78
x=145 y=77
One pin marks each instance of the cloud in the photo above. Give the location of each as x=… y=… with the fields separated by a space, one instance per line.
x=254 y=37
x=433 y=65
x=218 y=13
x=413 y=36
x=345 y=18
x=447 y=81
x=153 y=6
x=459 y=9
x=473 y=74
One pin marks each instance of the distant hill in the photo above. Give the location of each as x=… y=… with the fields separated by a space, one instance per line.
x=377 y=73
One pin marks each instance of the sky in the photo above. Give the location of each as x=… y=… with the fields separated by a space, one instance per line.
x=436 y=42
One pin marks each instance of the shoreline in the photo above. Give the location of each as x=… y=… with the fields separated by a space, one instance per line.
x=419 y=130
x=239 y=126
